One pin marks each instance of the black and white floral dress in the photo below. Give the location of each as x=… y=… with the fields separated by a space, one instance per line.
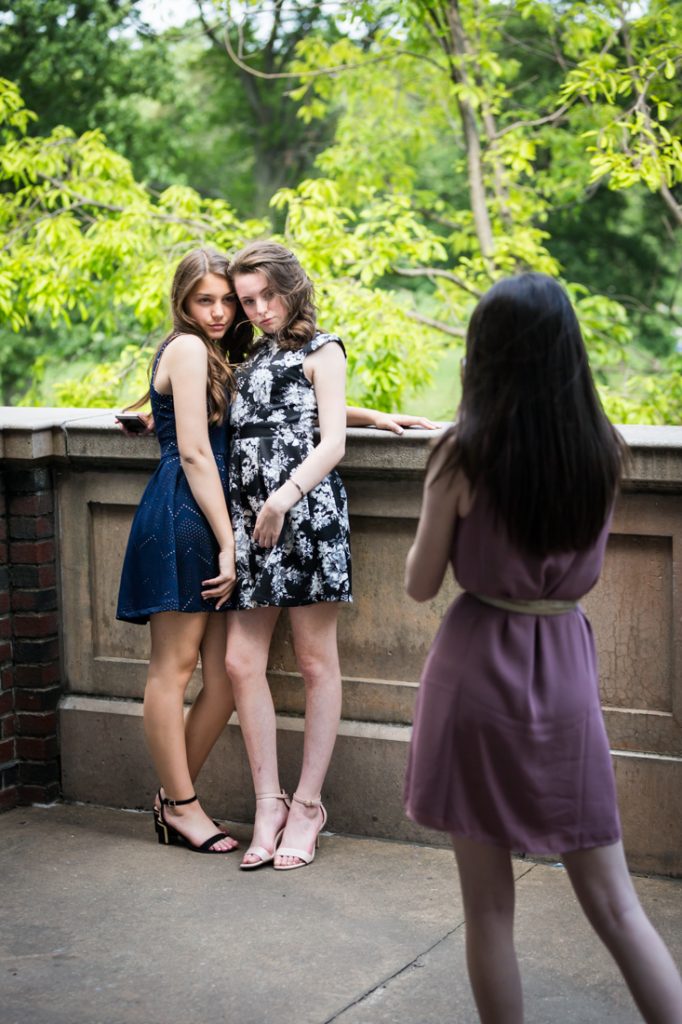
x=272 y=421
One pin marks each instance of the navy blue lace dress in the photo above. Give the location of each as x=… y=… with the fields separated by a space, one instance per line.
x=171 y=547
x=272 y=422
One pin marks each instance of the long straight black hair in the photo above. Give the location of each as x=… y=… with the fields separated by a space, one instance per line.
x=530 y=430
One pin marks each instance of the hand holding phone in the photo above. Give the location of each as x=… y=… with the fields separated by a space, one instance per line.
x=133 y=422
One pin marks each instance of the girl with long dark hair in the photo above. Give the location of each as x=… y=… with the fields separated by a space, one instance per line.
x=509 y=750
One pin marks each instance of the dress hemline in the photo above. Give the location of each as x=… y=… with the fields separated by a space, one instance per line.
x=540 y=846
x=141 y=618
x=290 y=604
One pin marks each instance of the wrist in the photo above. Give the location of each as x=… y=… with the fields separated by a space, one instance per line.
x=300 y=493
x=280 y=500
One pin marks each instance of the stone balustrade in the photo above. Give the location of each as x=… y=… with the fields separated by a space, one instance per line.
x=72 y=677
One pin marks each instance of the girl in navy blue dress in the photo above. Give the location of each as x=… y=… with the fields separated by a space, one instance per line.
x=179 y=568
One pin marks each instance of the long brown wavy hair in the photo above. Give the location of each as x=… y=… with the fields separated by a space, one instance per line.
x=228 y=351
x=530 y=427
x=289 y=281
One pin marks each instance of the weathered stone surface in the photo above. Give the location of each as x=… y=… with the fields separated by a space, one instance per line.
x=100 y=925
x=635 y=611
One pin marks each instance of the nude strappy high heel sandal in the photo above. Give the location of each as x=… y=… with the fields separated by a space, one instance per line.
x=302 y=855
x=266 y=857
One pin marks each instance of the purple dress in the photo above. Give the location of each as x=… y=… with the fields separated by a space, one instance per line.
x=508 y=745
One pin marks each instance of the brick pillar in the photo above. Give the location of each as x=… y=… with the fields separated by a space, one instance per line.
x=29 y=634
x=8 y=760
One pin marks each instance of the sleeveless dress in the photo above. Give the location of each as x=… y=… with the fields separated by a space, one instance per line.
x=509 y=745
x=272 y=420
x=171 y=547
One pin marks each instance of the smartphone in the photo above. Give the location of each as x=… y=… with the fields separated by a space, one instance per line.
x=132 y=422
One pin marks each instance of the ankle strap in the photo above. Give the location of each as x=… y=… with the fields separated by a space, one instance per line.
x=307 y=803
x=167 y=802
x=272 y=796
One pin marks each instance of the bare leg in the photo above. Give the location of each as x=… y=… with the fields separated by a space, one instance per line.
x=487 y=883
x=214 y=704
x=314 y=629
x=604 y=888
x=248 y=642
x=176 y=638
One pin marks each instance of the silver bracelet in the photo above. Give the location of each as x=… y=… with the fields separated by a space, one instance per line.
x=297 y=486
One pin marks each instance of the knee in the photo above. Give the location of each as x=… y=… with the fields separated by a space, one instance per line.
x=169 y=677
x=317 y=671
x=241 y=667
x=233 y=666
x=615 y=916
x=318 y=665
x=488 y=909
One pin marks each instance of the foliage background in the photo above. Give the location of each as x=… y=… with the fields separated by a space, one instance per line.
x=410 y=151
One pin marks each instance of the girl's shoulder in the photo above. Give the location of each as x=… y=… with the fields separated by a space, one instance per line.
x=188 y=342
x=183 y=353
x=321 y=338
x=445 y=479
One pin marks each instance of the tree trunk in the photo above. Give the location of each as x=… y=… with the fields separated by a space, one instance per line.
x=456 y=46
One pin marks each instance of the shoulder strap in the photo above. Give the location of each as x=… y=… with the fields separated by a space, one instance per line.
x=162 y=348
x=323 y=338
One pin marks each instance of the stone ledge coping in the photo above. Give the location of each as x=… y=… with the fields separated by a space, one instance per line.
x=92 y=436
x=287 y=723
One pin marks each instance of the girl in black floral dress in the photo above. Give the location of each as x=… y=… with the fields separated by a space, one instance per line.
x=290 y=518
x=273 y=416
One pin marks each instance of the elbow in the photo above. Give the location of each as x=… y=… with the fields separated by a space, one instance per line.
x=340 y=448
x=418 y=591
x=420 y=584
x=336 y=449
x=192 y=456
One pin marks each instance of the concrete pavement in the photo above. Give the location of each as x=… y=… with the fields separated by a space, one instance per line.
x=100 y=925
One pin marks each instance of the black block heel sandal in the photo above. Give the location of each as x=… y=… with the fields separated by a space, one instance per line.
x=157 y=810
x=167 y=835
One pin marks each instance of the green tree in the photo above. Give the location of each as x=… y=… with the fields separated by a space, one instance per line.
x=503 y=165
x=85 y=65
x=173 y=103
x=471 y=139
x=85 y=241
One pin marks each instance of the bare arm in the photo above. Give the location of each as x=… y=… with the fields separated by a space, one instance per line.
x=393 y=421
x=445 y=498
x=326 y=369
x=186 y=364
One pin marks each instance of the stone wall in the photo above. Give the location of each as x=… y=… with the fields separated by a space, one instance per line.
x=98 y=477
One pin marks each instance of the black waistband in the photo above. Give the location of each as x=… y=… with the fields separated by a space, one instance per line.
x=266 y=429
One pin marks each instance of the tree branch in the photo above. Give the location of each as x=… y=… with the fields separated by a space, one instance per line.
x=454 y=332
x=432 y=272
x=209 y=30
x=549 y=119
x=671 y=203
x=318 y=72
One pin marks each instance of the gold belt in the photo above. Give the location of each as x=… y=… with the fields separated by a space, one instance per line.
x=540 y=607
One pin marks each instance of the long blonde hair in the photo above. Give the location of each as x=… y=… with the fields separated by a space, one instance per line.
x=231 y=348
